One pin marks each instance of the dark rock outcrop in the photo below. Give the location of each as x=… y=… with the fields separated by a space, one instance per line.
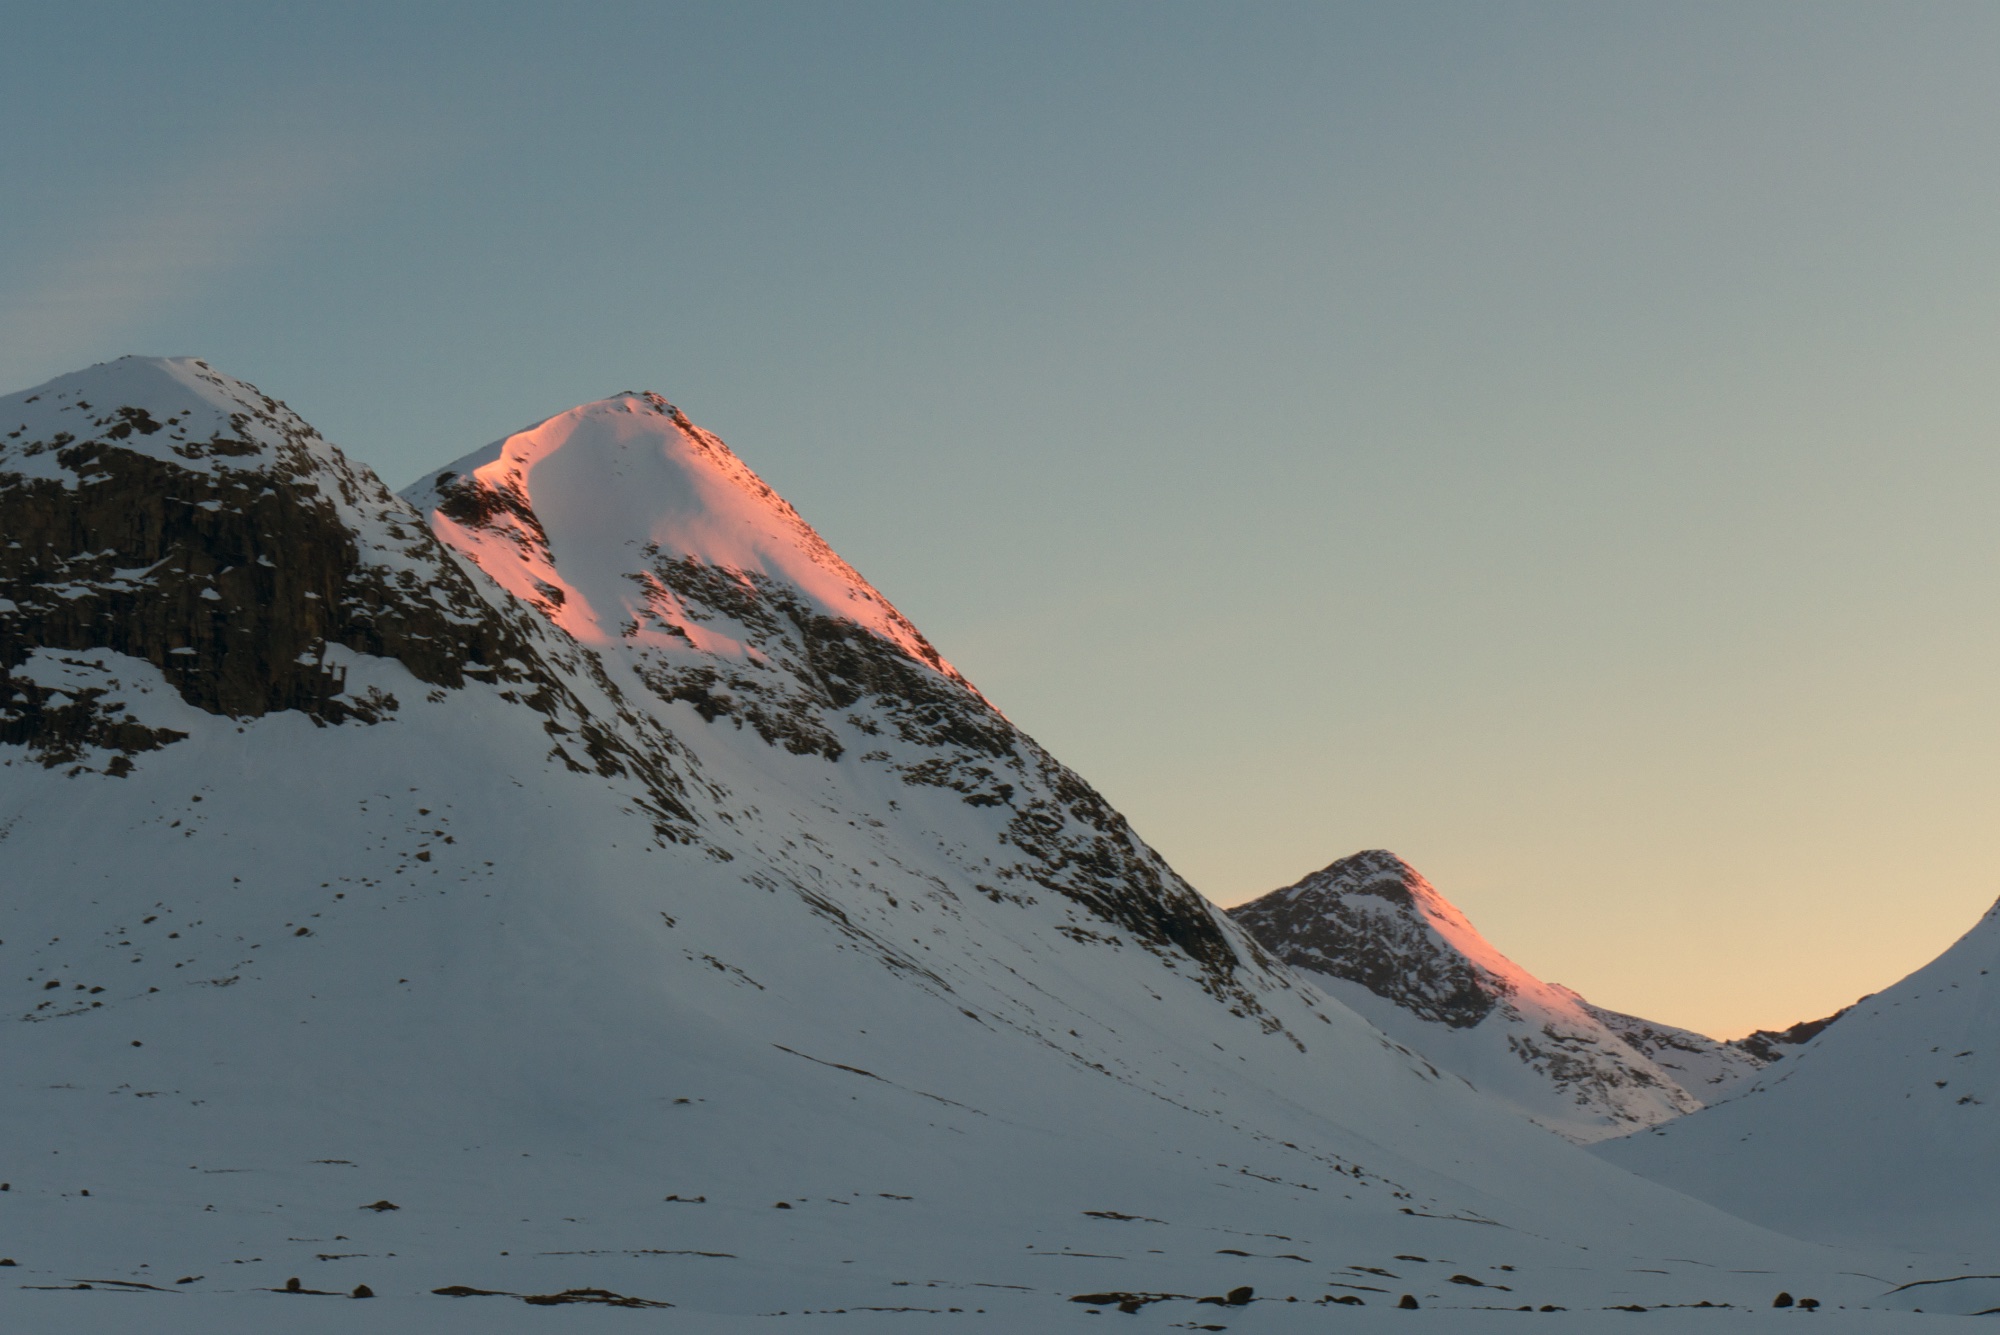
x=1358 y=919
x=163 y=512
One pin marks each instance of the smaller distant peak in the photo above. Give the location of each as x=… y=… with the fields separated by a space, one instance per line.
x=1370 y=862
x=1370 y=918
x=1374 y=871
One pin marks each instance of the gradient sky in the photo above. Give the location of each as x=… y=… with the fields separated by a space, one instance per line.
x=1556 y=442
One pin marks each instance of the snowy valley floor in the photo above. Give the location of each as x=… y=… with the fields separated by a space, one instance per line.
x=859 y=1261
x=101 y=1312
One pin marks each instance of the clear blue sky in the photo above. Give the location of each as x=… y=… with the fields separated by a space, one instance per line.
x=1554 y=441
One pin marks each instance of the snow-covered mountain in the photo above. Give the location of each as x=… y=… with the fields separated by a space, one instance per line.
x=583 y=884
x=719 y=610
x=1882 y=1128
x=1380 y=938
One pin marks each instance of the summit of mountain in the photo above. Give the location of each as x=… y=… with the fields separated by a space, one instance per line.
x=1379 y=937
x=634 y=495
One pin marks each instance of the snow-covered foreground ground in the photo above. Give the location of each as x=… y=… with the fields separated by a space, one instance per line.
x=61 y=1315
x=503 y=1052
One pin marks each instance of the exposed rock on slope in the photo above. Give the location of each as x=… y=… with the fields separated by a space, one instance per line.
x=216 y=538
x=1775 y=1044
x=1382 y=939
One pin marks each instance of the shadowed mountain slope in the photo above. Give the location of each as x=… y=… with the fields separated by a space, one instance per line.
x=1880 y=1129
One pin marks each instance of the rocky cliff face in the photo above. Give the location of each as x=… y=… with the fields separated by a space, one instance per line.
x=1385 y=941
x=1369 y=919
x=177 y=518
x=163 y=540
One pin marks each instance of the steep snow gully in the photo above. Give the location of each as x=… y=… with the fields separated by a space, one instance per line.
x=572 y=885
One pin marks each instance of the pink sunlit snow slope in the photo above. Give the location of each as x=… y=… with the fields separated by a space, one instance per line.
x=610 y=479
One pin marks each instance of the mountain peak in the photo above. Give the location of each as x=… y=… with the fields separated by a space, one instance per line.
x=1379 y=937
x=623 y=492
x=1374 y=871
x=178 y=411
x=198 y=529
x=1373 y=919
